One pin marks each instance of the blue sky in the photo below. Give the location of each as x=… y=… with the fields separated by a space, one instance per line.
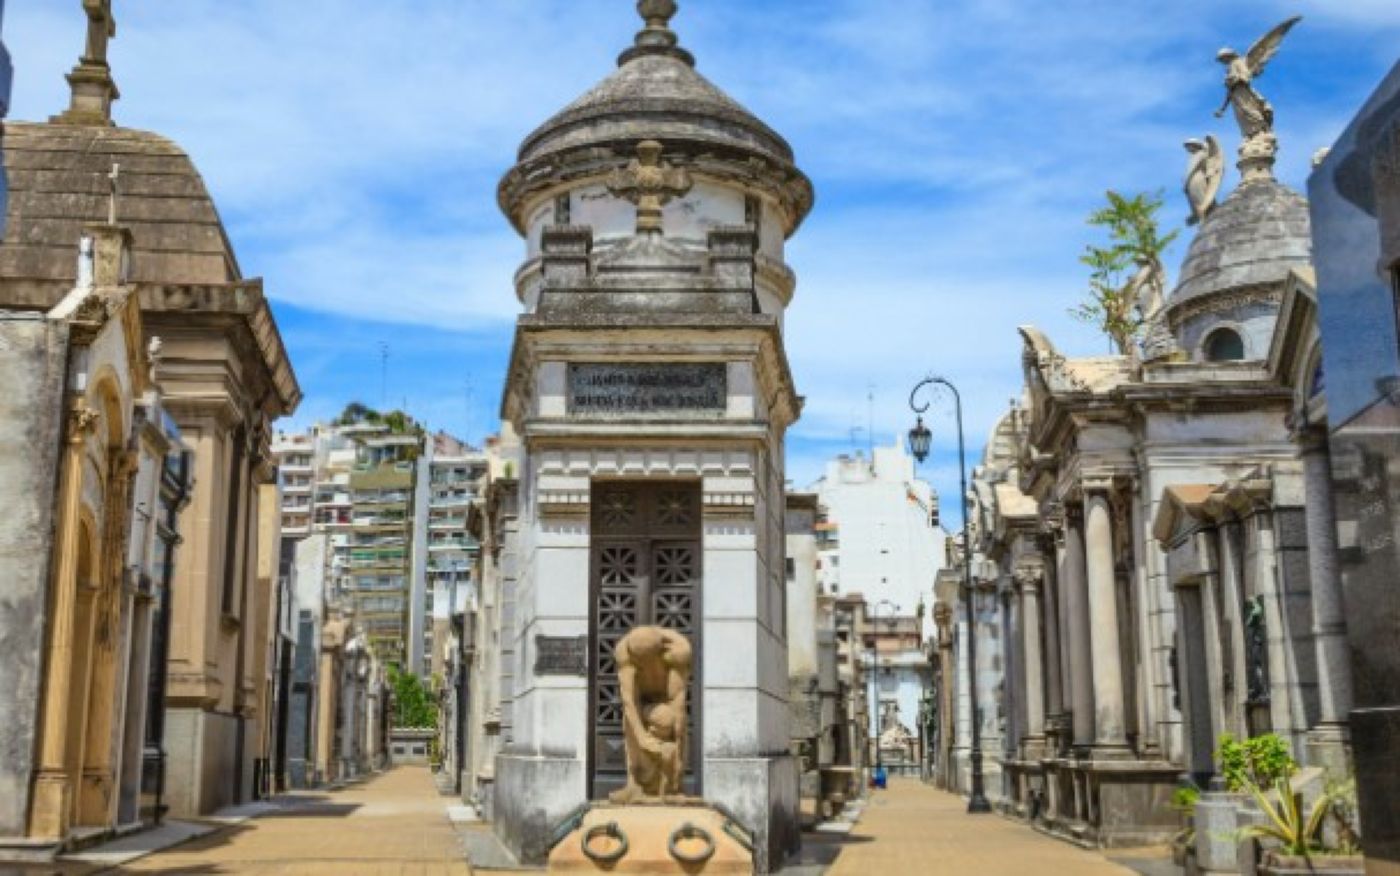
x=354 y=146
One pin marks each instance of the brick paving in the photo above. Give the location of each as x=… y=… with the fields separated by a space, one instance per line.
x=913 y=828
x=394 y=823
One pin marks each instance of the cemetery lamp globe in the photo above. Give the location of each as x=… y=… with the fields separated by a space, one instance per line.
x=920 y=440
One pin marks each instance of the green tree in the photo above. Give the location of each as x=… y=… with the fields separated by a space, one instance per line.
x=1134 y=238
x=413 y=704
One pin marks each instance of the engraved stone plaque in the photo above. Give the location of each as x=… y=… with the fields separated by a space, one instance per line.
x=687 y=389
x=561 y=655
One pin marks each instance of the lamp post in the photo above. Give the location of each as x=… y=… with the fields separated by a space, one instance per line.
x=920 y=439
x=873 y=724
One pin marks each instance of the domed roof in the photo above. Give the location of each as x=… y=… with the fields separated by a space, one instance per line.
x=1255 y=237
x=663 y=94
x=655 y=94
x=58 y=176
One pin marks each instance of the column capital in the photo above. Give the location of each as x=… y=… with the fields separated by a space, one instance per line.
x=82 y=420
x=1096 y=484
x=1029 y=575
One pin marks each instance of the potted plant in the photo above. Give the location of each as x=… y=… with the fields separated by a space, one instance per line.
x=1183 y=842
x=1298 y=832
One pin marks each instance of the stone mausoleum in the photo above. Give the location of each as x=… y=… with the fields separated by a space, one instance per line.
x=651 y=390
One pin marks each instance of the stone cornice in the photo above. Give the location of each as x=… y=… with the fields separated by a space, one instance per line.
x=246 y=302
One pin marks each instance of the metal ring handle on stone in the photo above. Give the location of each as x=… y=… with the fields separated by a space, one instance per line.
x=690 y=831
x=610 y=829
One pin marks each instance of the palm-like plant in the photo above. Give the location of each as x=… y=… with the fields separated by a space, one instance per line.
x=1295 y=834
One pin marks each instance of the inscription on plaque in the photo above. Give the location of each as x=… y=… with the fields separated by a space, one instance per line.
x=561 y=655
x=681 y=388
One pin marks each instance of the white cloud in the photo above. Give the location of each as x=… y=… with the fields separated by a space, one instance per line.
x=354 y=148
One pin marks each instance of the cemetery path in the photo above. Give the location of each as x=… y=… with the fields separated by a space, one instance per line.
x=913 y=828
x=392 y=823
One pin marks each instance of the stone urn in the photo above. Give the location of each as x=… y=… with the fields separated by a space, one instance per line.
x=1275 y=863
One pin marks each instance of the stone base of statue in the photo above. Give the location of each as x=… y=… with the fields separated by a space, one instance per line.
x=677 y=835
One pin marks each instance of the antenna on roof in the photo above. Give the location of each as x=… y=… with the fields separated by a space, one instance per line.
x=383 y=374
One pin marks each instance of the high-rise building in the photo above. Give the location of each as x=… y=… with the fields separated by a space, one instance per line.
x=449 y=473
x=392 y=503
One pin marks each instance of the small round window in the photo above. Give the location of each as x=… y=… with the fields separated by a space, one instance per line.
x=1224 y=345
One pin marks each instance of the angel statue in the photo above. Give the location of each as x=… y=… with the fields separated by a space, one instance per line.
x=1204 y=171
x=1147 y=292
x=1252 y=111
x=1147 y=289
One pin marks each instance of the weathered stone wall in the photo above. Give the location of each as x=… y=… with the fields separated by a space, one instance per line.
x=33 y=355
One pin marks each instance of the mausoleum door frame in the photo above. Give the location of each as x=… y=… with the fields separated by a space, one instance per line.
x=657 y=546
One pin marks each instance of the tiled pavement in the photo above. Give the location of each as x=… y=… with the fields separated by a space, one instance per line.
x=397 y=823
x=393 y=823
x=913 y=828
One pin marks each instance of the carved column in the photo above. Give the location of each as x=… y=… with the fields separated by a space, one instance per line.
x=1103 y=619
x=943 y=617
x=51 y=812
x=1081 y=686
x=97 y=793
x=1028 y=580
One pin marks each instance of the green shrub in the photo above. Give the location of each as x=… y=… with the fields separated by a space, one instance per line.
x=1260 y=761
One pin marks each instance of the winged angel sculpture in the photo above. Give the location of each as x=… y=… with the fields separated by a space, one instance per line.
x=1205 y=170
x=1253 y=113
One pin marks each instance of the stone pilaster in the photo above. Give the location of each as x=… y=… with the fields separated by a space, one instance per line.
x=1328 y=740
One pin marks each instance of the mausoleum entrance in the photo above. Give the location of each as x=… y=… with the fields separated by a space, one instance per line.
x=645 y=569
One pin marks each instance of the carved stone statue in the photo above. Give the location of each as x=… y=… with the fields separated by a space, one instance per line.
x=1253 y=113
x=1146 y=290
x=102 y=26
x=653 y=671
x=1204 y=172
x=650 y=183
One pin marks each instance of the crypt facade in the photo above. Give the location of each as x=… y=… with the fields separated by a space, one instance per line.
x=1154 y=537
x=650 y=388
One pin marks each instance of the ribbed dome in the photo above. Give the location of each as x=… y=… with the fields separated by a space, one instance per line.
x=664 y=95
x=655 y=94
x=58 y=184
x=1259 y=234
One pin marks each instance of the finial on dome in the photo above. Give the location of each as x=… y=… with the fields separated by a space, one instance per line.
x=93 y=88
x=657 y=38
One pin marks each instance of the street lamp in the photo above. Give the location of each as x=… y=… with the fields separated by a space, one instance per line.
x=920 y=441
x=873 y=722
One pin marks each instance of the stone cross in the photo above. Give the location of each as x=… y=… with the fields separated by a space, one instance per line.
x=102 y=26
x=650 y=183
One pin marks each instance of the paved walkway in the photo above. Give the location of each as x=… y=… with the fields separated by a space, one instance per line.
x=913 y=828
x=394 y=823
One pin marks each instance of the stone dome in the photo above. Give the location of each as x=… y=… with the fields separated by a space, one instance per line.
x=1254 y=238
x=58 y=184
x=664 y=95
x=656 y=94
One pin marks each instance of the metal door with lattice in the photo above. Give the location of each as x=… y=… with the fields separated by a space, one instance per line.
x=645 y=569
